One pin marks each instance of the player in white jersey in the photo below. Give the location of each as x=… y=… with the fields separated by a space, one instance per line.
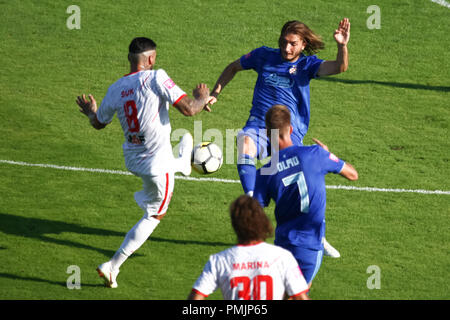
x=141 y=100
x=253 y=269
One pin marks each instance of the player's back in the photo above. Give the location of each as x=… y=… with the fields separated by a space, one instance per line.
x=298 y=188
x=142 y=100
x=142 y=110
x=257 y=272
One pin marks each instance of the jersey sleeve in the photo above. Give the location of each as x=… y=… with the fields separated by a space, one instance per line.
x=330 y=162
x=105 y=112
x=313 y=66
x=168 y=89
x=261 y=192
x=207 y=282
x=252 y=60
x=295 y=282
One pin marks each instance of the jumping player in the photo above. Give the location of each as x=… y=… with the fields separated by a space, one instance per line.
x=284 y=75
x=141 y=100
x=253 y=269
x=297 y=185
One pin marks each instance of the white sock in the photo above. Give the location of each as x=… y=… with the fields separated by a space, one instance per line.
x=134 y=239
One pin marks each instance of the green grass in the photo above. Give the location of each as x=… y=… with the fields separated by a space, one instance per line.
x=388 y=115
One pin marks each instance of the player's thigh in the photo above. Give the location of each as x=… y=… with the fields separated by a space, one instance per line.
x=308 y=260
x=253 y=141
x=156 y=194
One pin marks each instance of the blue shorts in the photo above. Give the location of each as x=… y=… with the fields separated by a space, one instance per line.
x=309 y=260
x=259 y=137
x=262 y=142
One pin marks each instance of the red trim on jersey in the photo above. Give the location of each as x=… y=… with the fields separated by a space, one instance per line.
x=249 y=245
x=178 y=100
x=296 y=295
x=200 y=293
x=131 y=73
x=165 y=194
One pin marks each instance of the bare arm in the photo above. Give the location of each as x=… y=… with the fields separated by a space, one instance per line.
x=89 y=108
x=349 y=172
x=190 y=107
x=227 y=75
x=342 y=36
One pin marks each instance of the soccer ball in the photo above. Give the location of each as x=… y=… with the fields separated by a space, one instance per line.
x=206 y=157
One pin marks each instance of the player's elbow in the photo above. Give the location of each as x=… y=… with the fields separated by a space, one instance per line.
x=343 y=68
x=188 y=112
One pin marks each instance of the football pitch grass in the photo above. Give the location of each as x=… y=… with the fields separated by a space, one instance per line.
x=388 y=115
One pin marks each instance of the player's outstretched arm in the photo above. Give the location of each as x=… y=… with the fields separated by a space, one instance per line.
x=190 y=107
x=226 y=76
x=342 y=36
x=349 y=172
x=89 y=108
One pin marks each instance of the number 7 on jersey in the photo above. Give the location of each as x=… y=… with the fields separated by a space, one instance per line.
x=299 y=178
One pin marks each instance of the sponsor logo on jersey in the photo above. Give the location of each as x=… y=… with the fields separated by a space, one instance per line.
x=278 y=81
x=333 y=157
x=169 y=84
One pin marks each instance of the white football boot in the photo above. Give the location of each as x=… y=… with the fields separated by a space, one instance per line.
x=109 y=276
x=329 y=251
x=185 y=154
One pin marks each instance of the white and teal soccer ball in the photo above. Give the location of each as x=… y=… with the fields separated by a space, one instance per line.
x=206 y=158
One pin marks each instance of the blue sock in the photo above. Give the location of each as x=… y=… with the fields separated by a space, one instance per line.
x=247 y=173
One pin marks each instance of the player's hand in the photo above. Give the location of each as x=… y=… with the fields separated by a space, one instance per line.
x=320 y=144
x=342 y=34
x=202 y=92
x=87 y=107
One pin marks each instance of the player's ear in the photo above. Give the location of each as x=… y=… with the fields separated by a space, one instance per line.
x=152 y=59
x=291 y=129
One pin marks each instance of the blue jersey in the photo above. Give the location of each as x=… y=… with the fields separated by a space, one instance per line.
x=281 y=82
x=298 y=188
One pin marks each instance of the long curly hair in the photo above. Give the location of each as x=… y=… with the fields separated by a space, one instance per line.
x=249 y=220
x=313 y=41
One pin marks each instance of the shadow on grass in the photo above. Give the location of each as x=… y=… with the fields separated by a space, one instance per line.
x=194 y=242
x=40 y=229
x=387 y=83
x=52 y=282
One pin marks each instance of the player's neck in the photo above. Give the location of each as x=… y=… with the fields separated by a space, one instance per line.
x=139 y=67
x=250 y=243
x=285 y=143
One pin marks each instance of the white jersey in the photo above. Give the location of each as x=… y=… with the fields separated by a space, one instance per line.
x=255 y=272
x=142 y=101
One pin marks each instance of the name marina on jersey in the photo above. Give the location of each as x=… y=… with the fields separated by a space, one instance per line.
x=250 y=265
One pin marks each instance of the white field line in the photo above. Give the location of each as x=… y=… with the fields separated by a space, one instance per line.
x=368 y=189
x=442 y=3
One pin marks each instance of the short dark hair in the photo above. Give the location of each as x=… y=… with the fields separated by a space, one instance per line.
x=313 y=41
x=249 y=220
x=141 y=44
x=277 y=117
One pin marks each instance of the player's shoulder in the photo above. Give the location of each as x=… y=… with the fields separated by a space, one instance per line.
x=275 y=251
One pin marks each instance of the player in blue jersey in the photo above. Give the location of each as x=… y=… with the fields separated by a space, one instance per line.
x=295 y=180
x=283 y=78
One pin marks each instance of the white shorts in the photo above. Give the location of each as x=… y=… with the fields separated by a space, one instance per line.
x=156 y=194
